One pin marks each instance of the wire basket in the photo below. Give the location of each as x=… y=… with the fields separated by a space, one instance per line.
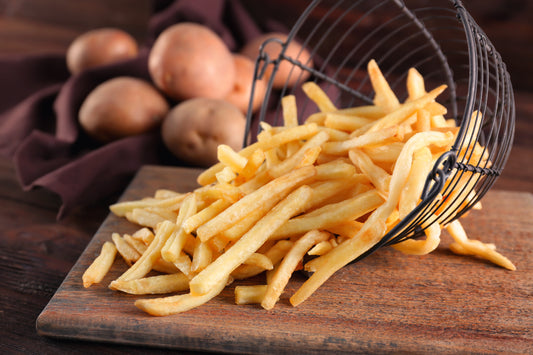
x=442 y=41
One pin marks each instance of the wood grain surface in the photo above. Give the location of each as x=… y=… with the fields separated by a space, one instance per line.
x=388 y=302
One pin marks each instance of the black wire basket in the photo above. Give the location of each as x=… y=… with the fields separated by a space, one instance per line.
x=442 y=41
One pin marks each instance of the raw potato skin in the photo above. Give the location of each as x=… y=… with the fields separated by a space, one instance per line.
x=287 y=74
x=121 y=107
x=100 y=47
x=242 y=88
x=189 y=60
x=194 y=128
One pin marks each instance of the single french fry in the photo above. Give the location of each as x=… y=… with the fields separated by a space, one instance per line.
x=347 y=123
x=335 y=169
x=176 y=304
x=151 y=285
x=249 y=294
x=416 y=87
x=96 y=272
x=290 y=112
x=121 y=208
x=384 y=96
x=272 y=190
x=289 y=263
x=421 y=246
x=222 y=267
x=319 y=97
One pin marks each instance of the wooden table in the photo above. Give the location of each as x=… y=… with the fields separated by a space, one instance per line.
x=37 y=251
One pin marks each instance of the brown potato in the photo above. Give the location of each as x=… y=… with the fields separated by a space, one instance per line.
x=193 y=129
x=242 y=88
x=190 y=60
x=99 y=47
x=287 y=73
x=121 y=107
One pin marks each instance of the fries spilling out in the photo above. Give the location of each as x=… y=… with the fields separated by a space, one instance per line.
x=330 y=188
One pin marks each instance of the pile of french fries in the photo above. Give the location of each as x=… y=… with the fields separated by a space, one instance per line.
x=330 y=188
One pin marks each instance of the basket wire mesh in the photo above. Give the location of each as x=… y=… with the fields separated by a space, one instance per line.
x=443 y=42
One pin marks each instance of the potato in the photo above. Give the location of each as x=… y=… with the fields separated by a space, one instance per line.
x=99 y=47
x=193 y=129
x=242 y=88
x=189 y=60
x=287 y=73
x=121 y=107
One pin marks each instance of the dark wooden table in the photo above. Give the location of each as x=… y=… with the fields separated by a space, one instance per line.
x=37 y=251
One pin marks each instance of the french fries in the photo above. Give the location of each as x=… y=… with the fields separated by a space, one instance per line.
x=331 y=187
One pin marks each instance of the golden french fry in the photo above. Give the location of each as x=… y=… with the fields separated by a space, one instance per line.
x=121 y=208
x=290 y=112
x=176 y=304
x=321 y=99
x=416 y=87
x=222 y=267
x=384 y=96
x=153 y=284
x=96 y=272
x=421 y=246
x=346 y=123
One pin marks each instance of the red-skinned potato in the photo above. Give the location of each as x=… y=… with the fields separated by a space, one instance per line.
x=189 y=60
x=195 y=128
x=122 y=107
x=242 y=88
x=100 y=47
x=287 y=73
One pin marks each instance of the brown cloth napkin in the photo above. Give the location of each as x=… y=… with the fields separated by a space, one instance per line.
x=39 y=102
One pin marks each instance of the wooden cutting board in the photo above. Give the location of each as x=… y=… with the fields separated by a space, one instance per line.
x=388 y=302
